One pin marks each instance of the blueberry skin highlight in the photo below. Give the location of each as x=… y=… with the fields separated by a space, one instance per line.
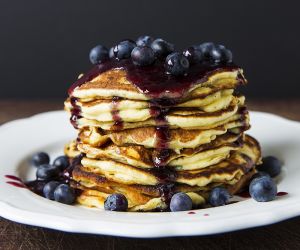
x=193 y=54
x=123 y=49
x=177 y=64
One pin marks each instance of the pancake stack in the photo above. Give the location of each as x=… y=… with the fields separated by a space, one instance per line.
x=148 y=135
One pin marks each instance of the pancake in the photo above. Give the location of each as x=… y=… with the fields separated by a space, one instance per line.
x=141 y=157
x=139 y=201
x=239 y=163
x=209 y=168
x=114 y=82
x=134 y=110
x=192 y=118
x=147 y=136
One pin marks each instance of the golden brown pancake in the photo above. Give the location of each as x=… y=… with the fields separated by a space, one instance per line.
x=115 y=83
x=141 y=157
x=237 y=164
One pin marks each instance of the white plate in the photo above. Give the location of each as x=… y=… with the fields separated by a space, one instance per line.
x=50 y=131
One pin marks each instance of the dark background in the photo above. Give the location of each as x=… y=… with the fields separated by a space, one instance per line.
x=44 y=45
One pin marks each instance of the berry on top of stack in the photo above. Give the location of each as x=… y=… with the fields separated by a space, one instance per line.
x=159 y=129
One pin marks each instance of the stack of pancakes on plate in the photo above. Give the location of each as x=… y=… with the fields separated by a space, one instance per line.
x=148 y=137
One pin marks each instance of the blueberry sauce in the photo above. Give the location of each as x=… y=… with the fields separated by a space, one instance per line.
x=12 y=177
x=16 y=184
x=166 y=192
x=282 y=193
x=67 y=174
x=115 y=113
x=167 y=178
x=244 y=194
x=36 y=186
x=153 y=80
x=75 y=112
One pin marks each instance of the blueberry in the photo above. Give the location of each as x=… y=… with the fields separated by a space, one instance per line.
x=177 y=64
x=111 y=52
x=270 y=165
x=219 y=197
x=98 y=54
x=47 y=172
x=62 y=162
x=142 y=56
x=49 y=188
x=215 y=52
x=161 y=47
x=259 y=174
x=181 y=202
x=193 y=54
x=263 y=189
x=144 y=41
x=123 y=49
x=205 y=48
x=226 y=54
x=40 y=159
x=64 y=194
x=116 y=202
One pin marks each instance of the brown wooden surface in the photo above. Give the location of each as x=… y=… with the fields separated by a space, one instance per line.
x=283 y=235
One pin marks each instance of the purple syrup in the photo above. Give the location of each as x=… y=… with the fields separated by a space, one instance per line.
x=16 y=184
x=244 y=194
x=115 y=113
x=166 y=192
x=36 y=186
x=12 y=177
x=282 y=193
x=153 y=80
x=67 y=174
x=162 y=153
x=75 y=112
x=164 y=174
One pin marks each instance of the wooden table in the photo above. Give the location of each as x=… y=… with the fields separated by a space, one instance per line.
x=283 y=235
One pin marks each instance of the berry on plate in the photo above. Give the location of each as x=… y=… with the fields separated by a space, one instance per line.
x=116 y=202
x=263 y=189
x=181 y=202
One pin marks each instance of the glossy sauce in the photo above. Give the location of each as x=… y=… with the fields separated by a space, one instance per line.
x=282 y=193
x=152 y=80
x=118 y=122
